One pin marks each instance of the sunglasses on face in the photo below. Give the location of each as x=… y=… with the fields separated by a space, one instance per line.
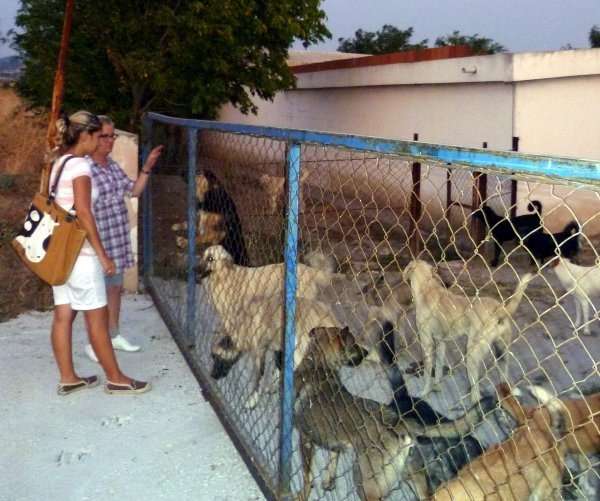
x=108 y=136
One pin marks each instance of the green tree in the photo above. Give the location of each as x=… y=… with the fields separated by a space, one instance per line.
x=595 y=36
x=388 y=39
x=479 y=45
x=185 y=57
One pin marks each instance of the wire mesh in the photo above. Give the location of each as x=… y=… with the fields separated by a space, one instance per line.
x=443 y=348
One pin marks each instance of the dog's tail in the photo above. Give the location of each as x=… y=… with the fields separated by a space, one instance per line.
x=515 y=300
x=535 y=205
x=457 y=428
x=559 y=413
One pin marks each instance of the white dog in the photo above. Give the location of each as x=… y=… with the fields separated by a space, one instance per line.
x=442 y=316
x=583 y=282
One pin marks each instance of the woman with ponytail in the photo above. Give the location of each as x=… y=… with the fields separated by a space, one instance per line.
x=77 y=137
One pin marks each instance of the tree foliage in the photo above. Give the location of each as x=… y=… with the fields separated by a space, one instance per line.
x=185 y=57
x=391 y=39
x=479 y=45
x=388 y=39
x=595 y=36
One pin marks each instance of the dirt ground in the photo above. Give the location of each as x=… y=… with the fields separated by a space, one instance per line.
x=22 y=136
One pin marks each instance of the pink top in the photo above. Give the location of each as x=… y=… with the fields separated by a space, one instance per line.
x=74 y=168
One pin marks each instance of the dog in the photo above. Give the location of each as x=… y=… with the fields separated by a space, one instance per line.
x=582 y=434
x=256 y=327
x=503 y=229
x=583 y=282
x=528 y=465
x=218 y=221
x=218 y=269
x=542 y=245
x=327 y=415
x=442 y=316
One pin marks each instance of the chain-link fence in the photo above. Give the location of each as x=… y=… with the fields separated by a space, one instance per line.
x=383 y=319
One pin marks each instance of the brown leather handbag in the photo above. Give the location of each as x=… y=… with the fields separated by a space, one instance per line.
x=51 y=237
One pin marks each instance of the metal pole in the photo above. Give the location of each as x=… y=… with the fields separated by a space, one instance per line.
x=415 y=207
x=190 y=318
x=58 y=89
x=514 y=183
x=147 y=202
x=291 y=260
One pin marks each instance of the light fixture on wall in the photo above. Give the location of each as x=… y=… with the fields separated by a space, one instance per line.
x=471 y=71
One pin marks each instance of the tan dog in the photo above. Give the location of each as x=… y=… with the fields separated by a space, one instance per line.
x=442 y=316
x=528 y=465
x=329 y=416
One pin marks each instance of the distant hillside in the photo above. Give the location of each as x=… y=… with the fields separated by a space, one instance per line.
x=10 y=67
x=10 y=63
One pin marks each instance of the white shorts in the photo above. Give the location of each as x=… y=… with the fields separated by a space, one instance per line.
x=85 y=288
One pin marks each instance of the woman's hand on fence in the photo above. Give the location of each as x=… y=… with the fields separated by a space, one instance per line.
x=153 y=158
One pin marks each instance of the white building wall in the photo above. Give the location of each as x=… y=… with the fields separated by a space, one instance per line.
x=549 y=100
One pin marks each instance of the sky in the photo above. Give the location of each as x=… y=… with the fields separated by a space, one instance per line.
x=519 y=25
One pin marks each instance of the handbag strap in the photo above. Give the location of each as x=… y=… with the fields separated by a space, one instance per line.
x=52 y=194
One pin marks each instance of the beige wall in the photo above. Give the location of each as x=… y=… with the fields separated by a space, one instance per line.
x=125 y=153
x=549 y=100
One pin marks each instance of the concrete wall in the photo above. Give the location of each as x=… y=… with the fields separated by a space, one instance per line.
x=125 y=152
x=548 y=100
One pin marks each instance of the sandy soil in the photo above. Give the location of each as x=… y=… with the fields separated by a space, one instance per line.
x=167 y=444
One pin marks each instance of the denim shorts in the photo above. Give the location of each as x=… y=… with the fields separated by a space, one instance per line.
x=114 y=280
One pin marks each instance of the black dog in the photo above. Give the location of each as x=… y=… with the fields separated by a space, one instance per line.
x=218 y=201
x=544 y=245
x=442 y=456
x=508 y=229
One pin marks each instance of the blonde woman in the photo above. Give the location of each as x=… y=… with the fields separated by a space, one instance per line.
x=84 y=290
x=113 y=222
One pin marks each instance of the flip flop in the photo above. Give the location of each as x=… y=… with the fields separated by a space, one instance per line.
x=65 y=389
x=126 y=388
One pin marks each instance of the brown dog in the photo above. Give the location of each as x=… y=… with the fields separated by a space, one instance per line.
x=528 y=465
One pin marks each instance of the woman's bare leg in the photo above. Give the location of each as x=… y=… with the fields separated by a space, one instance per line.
x=96 y=322
x=61 y=337
x=113 y=295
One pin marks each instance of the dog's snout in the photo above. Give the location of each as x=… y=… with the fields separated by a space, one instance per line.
x=358 y=355
x=202 y=271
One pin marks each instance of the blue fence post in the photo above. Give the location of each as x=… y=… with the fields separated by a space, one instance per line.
x=291 y=260
x=147 y=251
x=190 y=316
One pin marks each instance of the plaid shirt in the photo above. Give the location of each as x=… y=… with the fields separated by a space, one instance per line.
x=111 y=212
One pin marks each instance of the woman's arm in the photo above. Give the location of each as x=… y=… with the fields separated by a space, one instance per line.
x=82 y=193
x=142 y=180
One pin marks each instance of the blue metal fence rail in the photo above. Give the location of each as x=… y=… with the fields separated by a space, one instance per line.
x=508 y=163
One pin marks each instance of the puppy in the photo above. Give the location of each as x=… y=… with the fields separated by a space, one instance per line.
x=542 y=245
x=328 y=416
x=218 y=219
x=503 y=229
x=528 y=465
x=584 y=282
x=442 y=316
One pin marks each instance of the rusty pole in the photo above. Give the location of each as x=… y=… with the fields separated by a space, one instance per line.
x=58 y=89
